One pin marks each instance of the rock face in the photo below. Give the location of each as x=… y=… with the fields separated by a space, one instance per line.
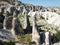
x=51 y=18
x=9 y=1
x=17 y=17
x=9 y=20
x=35 y=32
x=6 y=35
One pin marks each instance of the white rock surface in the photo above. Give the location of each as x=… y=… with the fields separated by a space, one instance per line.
x=52 y=18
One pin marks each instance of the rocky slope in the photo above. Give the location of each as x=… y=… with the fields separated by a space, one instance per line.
x=18 y=17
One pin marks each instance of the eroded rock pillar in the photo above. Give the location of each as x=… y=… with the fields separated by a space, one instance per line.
x=35 y=33
x=47 y=38
x=13 y=27
x=4 y=24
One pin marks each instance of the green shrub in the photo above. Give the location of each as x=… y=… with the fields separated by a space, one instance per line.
x=56 y=37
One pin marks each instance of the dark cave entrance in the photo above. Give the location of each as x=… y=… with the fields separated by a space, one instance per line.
x=1 y=21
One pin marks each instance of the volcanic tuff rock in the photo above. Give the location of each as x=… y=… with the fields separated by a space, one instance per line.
x=9 y=6
x=17 y=16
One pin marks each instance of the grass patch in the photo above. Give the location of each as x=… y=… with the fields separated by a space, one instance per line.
x=56 y=37
x=25 y=39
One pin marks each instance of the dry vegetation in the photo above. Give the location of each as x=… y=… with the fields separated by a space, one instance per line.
x=25 y=39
